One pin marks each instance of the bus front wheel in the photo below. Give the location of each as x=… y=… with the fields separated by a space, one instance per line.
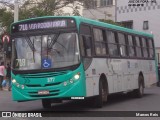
x=102 y=97
x=46 y=103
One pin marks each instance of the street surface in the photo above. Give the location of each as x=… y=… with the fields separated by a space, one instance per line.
x=118 y=102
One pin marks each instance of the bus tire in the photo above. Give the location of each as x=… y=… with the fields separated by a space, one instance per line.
x=158 y=83
x=46 y=103
x=140 y=91
x=102 y=97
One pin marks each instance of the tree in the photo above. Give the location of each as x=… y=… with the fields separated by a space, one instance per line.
x=35 y=8
x=76 y=11
x=6 y=18
x=7 y=3
x=30 y=9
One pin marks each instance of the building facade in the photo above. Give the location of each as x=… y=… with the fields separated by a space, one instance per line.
x=99 y=9
x=141 y=16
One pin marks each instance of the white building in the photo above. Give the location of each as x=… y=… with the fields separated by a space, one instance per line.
x=99 y=9
x=93 y=9
x=140 y=16
x=69 y=9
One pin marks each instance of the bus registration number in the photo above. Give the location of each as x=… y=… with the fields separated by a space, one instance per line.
x=43 y=92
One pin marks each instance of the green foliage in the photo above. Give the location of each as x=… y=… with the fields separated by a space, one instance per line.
x=6 y=18
x=32 y=9
x=76 y=11
x=110 y=22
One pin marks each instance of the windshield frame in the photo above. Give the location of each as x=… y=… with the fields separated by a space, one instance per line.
x=71 y=67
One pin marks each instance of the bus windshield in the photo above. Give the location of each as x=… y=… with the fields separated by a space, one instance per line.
x=45 y=51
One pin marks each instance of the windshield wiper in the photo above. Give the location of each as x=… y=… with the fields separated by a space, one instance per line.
x=31 y=45
x=53 y=41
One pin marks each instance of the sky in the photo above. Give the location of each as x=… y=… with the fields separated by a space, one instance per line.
x=11 y=1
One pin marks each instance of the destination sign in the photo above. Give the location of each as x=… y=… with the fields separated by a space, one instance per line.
x=42 y=24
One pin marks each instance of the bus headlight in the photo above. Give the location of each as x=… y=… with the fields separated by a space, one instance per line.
x=17 y=84
x=73 y=80
x=13 y=81
x=77 y=76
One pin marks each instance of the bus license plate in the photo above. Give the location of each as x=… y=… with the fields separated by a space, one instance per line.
x=43 y=92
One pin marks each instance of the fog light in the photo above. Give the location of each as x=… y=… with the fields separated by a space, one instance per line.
x=17 y=85
x=65 y=83
x=22 y=86
x=71 y=81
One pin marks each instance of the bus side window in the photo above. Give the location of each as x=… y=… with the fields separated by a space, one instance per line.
x=85 y=44
x=122 y=44
x=85 y=40
x=131 y=47
x=151 y=48
x=112 y=44
x=138 y=47
x=144 y=48
x=100 y=43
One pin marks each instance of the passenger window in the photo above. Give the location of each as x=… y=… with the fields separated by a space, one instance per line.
x=100 y=43
x=131 y=47
x=144 y=42
x=144 y=48
x=85 y=40
x=151 y=48
x=150 y=43
x=112 y=44
x=122 y=44
x=86 y=46
x=138 y=47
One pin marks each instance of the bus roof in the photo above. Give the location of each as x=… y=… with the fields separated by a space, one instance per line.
x=80 y=19
x=107 y=25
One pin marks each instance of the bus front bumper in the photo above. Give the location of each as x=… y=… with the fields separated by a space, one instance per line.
x=75 y=90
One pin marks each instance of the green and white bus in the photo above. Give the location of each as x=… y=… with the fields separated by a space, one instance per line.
x=59 y=58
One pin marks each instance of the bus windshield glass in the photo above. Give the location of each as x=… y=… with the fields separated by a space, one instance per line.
x=45 y=51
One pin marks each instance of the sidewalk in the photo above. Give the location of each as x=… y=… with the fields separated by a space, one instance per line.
x=5 y=89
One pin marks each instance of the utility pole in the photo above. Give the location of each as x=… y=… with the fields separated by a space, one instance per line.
x=115 y=10
x=16 y=10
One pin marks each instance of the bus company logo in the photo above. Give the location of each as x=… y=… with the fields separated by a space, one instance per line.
x=140 y=2
x=6 y=114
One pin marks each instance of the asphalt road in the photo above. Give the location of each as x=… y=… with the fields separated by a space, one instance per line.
x=116 y=103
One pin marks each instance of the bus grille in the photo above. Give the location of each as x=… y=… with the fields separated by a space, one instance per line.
x=44 y=75
x=46 y=85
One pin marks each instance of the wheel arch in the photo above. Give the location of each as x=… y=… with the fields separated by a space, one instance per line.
x=104 y=80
